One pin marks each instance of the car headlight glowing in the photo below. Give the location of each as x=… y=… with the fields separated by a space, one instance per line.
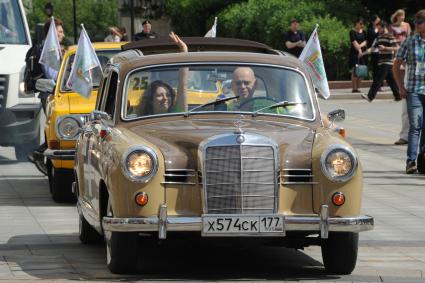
x=140 y=164
x=68 y=128
x=338 y=163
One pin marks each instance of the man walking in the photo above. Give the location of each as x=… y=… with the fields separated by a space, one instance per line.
x=412 y=51
x=387 y=45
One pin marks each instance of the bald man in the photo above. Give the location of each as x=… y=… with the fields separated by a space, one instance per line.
x=243 y=85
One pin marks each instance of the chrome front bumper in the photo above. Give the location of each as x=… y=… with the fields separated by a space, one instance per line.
x=60 y=154
x=321 y=223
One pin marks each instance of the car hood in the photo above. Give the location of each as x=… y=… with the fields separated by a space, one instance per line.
x=179 y=140
x=78 y=104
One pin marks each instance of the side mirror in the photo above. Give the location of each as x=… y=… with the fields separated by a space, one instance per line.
x=99 y=115
x=336 y=115
x=45 y=85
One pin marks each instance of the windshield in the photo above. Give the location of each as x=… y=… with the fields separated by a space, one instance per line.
x=12 y=29
x=185 y=90
x=102 y=55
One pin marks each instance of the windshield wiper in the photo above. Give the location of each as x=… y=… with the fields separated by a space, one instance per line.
x=276 y=105
x=212 y=102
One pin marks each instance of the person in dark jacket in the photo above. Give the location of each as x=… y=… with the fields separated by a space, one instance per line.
x=146 y=33
x=294 y=39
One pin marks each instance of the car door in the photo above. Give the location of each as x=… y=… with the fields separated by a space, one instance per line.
x=97 y=143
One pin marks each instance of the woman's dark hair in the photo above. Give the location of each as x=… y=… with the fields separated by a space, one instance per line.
x=374 y=17
x=359 y=20
x=146 y=100
x=58 y=22
x=384 y=24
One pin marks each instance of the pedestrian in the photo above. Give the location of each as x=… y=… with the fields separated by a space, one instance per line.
x=37 y=156
x=124 y=34
x=294 y=39
x=146 y=33
x=358 y=46
x=412 y=53
x=401 y=31
x=372 y=34
x=114 y=35
x=387 y=45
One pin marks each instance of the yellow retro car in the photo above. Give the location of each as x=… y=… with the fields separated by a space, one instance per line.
x=66 y=114
x=255 y=161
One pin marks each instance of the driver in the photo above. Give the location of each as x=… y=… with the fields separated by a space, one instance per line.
x=243 y=85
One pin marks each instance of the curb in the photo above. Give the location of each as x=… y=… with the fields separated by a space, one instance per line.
x=347 y=94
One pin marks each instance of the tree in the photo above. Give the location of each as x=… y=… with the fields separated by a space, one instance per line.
x=96 y=15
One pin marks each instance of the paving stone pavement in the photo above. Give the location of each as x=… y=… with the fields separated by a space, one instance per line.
x=38 y=238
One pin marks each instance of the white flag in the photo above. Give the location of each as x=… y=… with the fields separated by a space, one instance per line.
x=213 y=31
x=51 y=53
x=312 y=58
x=80 y=80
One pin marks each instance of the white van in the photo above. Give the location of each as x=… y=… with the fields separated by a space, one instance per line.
x=19 y=111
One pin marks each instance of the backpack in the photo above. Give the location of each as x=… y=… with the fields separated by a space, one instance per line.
x=33 y=70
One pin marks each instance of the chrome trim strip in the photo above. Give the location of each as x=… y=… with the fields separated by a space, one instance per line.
x=324 y=221
x=178 y=175
x=295 y=169
x=300 y=183
x=308 y=83
x=177 y=183
x=300 y=176
x=225 y=196
x=59 y=154
x=292 y=223
x=172 y=170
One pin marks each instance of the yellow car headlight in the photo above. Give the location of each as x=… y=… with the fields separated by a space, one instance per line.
x=68 y=126
x=139 y=164
x=339 y=163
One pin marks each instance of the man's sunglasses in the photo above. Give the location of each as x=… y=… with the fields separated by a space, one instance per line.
x=239 y=83
x=419 y=22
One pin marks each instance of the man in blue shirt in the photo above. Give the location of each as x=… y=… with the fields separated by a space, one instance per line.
x=412 y=52
x=294 y=39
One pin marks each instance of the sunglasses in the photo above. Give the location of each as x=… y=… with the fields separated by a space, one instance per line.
x=239 y=83
x=419 y=22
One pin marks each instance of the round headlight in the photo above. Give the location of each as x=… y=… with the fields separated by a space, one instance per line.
x=140 y=164
x=68 y=128
x=338 y=163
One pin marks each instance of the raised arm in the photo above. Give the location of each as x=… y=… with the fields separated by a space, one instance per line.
x=181 y=99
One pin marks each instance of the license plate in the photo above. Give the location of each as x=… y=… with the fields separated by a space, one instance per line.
x=248 y=225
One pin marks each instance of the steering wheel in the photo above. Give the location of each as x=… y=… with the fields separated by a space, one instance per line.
x=250 y=102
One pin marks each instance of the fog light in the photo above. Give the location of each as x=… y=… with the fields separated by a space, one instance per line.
x=142 y=199
x=338 y=199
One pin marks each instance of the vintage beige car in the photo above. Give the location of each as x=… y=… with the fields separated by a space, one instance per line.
x=256 y=161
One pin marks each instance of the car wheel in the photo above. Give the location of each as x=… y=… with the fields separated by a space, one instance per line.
x=60 y=184
x=121 y=249
x=86 y=233
x=339 y=252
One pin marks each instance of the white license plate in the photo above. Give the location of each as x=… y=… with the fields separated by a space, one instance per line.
x=249 y=225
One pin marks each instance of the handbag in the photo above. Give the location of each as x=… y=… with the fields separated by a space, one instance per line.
x=361 y=71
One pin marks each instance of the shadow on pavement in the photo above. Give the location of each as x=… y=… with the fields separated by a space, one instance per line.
x=63 y=257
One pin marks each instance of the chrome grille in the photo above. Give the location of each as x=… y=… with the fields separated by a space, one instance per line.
x=3 y=91
x=297 y=177
x=240 y=179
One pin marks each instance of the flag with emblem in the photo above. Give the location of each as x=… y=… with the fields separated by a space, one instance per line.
x=85 y=61
x=312 y=58
x=51 y=53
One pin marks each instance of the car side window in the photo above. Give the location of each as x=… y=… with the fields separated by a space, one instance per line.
x=102 y=90
x=112 y=91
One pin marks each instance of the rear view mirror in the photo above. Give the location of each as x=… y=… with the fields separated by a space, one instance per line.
x=336 y=115
x=99 y=115
x=45 y=85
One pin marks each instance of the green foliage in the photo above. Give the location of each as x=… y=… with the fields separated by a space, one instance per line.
x=194 y=17
x=265 y=21
x=96 y=15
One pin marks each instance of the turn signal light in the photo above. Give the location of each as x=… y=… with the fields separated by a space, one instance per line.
x=142 y=199
x=341 y=132
x=338 y=199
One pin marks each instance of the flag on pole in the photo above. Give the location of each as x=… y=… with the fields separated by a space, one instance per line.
x=213 y=31
x=312 y=58
x=51 y=53
x=80 y=80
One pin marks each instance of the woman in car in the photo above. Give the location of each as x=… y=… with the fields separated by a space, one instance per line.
x=160 y=97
